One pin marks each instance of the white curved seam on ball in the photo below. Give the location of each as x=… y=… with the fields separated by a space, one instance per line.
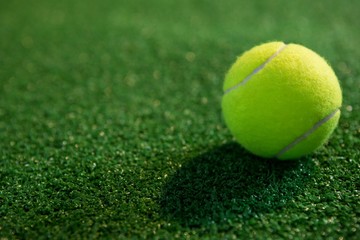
x=307 y=133
x=256 y=70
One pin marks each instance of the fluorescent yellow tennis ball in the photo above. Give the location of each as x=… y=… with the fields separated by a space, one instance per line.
x=281 y=100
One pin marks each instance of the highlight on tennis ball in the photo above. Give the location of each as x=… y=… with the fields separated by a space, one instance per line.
x=281 y=100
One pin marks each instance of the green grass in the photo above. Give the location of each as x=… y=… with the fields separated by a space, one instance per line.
x=111 y=127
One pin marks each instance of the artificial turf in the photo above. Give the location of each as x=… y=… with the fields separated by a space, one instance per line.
x=111 y=127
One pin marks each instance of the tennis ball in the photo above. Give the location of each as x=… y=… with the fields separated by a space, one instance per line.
x=281 y=100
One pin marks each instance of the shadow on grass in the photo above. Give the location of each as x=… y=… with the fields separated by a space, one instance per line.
x=227 y=184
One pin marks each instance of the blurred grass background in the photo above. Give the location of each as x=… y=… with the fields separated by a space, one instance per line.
x=111 y=127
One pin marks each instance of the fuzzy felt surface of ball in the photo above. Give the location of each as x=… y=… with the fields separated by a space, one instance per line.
x=281 y=100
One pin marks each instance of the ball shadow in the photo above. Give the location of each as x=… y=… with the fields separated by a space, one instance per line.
x=227 y=184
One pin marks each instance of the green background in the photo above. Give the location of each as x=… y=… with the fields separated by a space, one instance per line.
x=111 y=126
